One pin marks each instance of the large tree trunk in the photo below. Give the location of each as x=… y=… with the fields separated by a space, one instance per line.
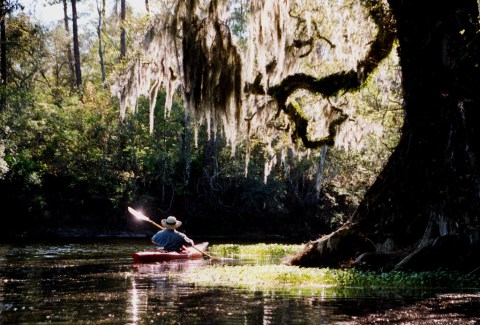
x=423 y=210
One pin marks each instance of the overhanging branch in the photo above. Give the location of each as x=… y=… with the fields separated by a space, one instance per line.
x=345 y=81
x=300 y=120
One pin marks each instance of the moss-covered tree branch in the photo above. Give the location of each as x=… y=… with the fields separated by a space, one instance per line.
x=344 y=81
x=301 y=121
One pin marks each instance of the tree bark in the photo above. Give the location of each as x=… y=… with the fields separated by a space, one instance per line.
x=3 y=53
x=123 y=33
x=422 y=211
x=101 y=17
x=71 y=64
x=76 y=45
x=187 y=151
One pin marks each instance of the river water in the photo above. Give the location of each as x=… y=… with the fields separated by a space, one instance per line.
x=96 y=282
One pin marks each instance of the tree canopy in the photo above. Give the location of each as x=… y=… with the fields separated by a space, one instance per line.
x=189 y=47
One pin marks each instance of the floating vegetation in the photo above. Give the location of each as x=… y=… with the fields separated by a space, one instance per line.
x=266 y=277
x=285 y=277
x=241 y=251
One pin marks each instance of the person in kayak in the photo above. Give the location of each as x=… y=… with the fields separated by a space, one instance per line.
x=170 y=239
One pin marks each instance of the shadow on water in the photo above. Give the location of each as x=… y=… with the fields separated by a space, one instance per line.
x=96 y=282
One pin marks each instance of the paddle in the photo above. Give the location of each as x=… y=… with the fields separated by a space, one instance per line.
x=143 y=217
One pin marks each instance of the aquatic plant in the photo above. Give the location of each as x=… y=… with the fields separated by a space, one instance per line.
x=261 y=249
x=283 y=276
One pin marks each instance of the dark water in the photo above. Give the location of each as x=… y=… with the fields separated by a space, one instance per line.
x=96 y=282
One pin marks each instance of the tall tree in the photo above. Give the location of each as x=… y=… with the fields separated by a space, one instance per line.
x=71 y=64
x=6 y=7
x=3 y=45
x=3 y=53
x=123 y=32
x=100 y=27
x=76 y=45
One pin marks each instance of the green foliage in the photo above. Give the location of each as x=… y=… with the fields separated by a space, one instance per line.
x=272 y=276
x=26 y=51
x=158 y=155
x=240 y=251
x=264 y=277
x=64 y=161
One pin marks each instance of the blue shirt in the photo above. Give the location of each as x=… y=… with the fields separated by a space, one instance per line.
x=171 y=240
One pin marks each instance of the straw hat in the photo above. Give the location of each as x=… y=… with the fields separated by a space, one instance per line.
x=171 y=223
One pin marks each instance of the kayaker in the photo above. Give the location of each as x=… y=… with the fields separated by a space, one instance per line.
x=170 y=239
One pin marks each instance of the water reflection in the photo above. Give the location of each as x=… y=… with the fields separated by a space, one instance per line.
x=135 y=303
x=96 y=282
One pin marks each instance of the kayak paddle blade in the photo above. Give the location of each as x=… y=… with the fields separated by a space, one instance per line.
x=137 y=214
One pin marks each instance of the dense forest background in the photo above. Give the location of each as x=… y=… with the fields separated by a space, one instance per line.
x=70 y=164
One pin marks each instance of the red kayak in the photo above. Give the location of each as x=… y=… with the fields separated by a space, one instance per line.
x=153 y=256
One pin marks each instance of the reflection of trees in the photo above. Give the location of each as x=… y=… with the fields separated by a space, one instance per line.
x=38 y=286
